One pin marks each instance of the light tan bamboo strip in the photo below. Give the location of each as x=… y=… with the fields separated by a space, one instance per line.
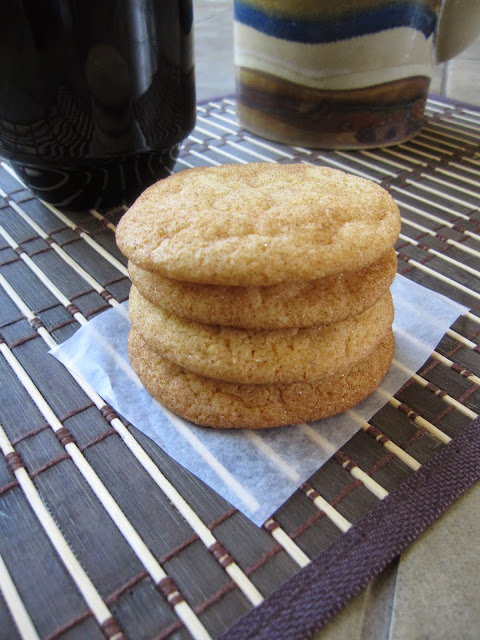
x=419 y=184
x=364 y=163
x=441 y=394
x=412 y=415
x=464 y=167
x=447 y=398
x=80 y=318
x=17 y=608
x=459 y=338
x=83 y=234
x=381 y=438
x=393 y=448
x=202 y=157
x=466 y=118
x=286 y=542
x=415 y=161
x=450 y=185
x=205 y=535
x=355 y=471
x=107 y=223
x=220 y=152
x=435 y=234
x=443 y=278
x=335 y=516
x=59 y=251
x=452 y=174
x=441 y=256
x=447 y=127
x=474 y=318
x=368 y=482
x=449 y=363
x=183 y=162
x=178 y=424
x=423 y=423
x=411 y=149
x=433 y=217
x=419 y=142
x=393 y=163
x=263 y=144
x=143 y=553
x=425 y=136
x=100 y=611
x=258 y=156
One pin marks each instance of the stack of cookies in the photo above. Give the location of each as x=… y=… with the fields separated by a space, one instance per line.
x=260 y=292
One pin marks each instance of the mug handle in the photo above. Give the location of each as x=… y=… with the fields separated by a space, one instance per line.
x=458 y=27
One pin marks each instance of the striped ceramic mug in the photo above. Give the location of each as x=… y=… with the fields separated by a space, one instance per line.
x=340 y=74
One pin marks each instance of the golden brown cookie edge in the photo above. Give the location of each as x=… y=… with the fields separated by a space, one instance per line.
x=224 y=405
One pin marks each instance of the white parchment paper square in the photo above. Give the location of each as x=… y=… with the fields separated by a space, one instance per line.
x=256 y=471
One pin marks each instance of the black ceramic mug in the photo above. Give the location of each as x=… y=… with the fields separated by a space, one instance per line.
x=95 y=95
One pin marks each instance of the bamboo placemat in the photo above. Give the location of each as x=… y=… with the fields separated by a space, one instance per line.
x=103 y=535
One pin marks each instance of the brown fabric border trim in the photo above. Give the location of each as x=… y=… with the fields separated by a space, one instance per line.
x=306 y=602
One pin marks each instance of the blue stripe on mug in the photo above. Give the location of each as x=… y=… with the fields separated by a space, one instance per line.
x=358 y=23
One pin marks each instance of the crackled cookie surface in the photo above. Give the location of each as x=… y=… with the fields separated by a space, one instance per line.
x=297 y=304
x=258 y=356
x=221 y=404
x=258 y=224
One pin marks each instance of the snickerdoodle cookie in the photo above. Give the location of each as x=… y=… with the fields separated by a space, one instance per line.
x=260 y=292
x=215 y=403
x=261 y=356
x=297 y=304
x=258 y=224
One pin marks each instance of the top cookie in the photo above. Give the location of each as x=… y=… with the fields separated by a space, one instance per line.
x=258 y=224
